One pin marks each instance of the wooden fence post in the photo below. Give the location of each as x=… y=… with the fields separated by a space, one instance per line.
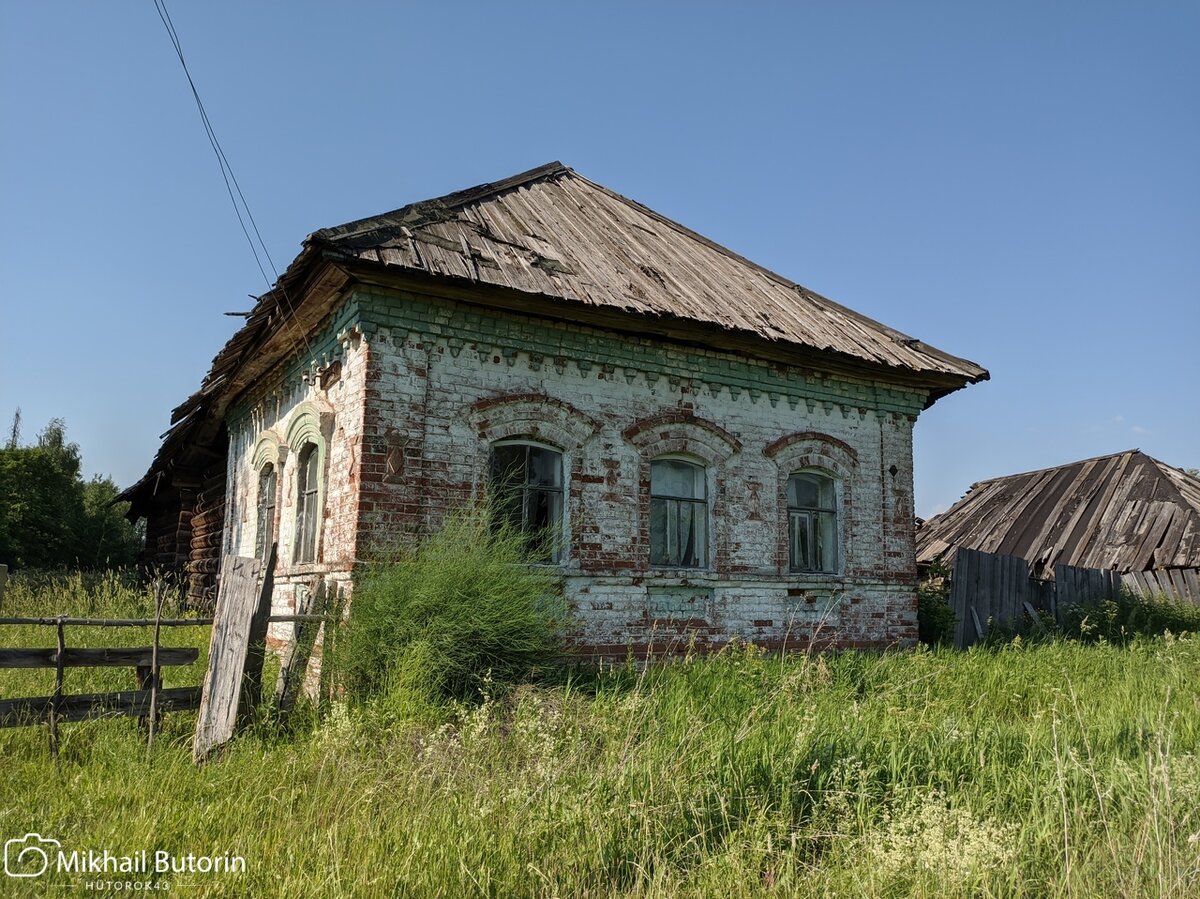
x=160 y=596
x=295 y=663
x=60 y=660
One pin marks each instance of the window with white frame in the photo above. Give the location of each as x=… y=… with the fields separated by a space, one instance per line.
x=812 y=522
x=678 y=514
x=527 y=489
x=307 y=500
x=264 y=534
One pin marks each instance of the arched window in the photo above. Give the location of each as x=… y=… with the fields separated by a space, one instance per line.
x=307 y=502
x=678 y=514
x=265 y=533
x=812 y=522
x=527 y=487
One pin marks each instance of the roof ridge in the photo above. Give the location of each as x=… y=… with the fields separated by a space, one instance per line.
x=1021 y=474
x=458 y=198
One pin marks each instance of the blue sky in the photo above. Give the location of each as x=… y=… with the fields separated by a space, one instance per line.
x=1015 y=183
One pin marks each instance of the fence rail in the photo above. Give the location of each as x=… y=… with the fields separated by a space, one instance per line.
x=992 y=587
x=84 y=706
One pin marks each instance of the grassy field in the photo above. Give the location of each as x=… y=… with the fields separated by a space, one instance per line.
x=1058 y=769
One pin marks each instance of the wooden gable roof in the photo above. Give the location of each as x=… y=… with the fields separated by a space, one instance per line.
x=553 y=233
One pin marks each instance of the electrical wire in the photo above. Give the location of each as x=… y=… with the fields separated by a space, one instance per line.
x=232 y=186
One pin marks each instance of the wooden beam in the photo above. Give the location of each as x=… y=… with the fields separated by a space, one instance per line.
x=294 y=667
x=105 y=657
x=135 y=703
x=256 y=648
x=111 y=622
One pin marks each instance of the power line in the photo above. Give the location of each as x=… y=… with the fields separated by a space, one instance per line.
x=230 y=179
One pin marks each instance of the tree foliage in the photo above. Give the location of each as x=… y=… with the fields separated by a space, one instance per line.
x=50 y=517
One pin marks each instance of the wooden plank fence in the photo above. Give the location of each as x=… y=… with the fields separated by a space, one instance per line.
x=988 y=588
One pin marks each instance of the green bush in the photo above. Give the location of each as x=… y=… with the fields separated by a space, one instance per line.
x=935 y=618
x=1119 y=619
x=439 y=616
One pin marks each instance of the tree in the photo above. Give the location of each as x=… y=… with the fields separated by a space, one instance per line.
x=14 y=436
x=107 y=539
x=50 y=517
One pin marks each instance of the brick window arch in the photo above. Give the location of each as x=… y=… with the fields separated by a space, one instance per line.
x=547 y=426
x=681 y=528
x=815 y=499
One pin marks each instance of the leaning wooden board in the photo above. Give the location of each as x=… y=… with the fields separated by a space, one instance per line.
x=236 y=602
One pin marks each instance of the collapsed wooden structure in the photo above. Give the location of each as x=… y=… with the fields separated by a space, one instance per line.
x=1125 y=512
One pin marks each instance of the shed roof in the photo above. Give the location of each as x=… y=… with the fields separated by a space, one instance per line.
x=1125 y=512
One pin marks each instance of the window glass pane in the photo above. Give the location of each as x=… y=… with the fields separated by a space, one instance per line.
x=308 y=468
x=674 y=477
x=678 y=514
x=812 y=522
x=545 y=467
x=541 y=510
x=265 y=533
x=827 y=498
x=508 y=465
x=798 y=532
x=306 y=506
x=308 y=551
x=671 y=551
x=510 y=507
x=804 y=491
x=826 y=541
x=526 y=487
x=658 y=532
x=544 y=514
x=678 y=532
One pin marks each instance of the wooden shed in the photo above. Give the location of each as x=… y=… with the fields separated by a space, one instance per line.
x=1125 y=512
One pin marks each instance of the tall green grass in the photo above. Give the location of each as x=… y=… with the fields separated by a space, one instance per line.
x=1060 y=769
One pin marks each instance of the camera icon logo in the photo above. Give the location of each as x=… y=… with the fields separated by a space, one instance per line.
x=28 y=856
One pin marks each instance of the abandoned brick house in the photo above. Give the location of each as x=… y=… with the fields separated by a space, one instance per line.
x=713 y=449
